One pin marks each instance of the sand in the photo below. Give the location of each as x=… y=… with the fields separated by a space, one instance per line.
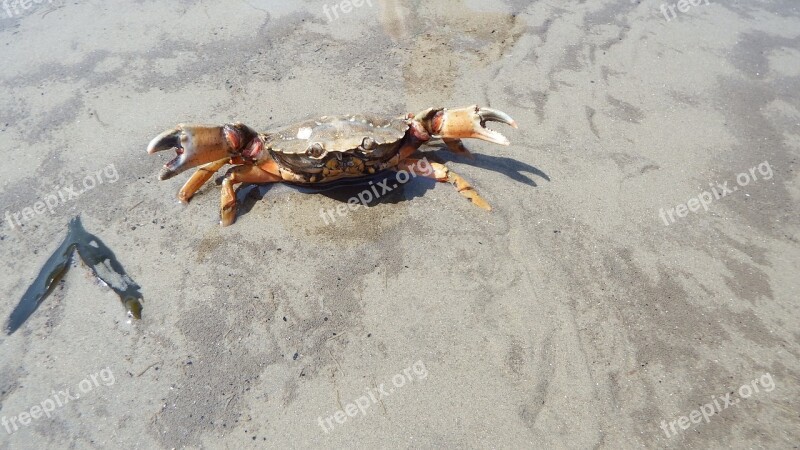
x=611 y=293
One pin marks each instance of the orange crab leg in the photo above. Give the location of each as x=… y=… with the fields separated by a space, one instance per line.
x=199 y=178
x=457 y=146
x=442 y=173
x=240 y=174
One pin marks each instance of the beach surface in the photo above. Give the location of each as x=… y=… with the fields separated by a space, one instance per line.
x=635 y=285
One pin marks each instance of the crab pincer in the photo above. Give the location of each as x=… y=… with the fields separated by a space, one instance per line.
x=199 y=144
x=469 y=122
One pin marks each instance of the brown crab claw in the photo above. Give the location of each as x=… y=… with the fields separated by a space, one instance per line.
x=470 y=122
x=196 y=145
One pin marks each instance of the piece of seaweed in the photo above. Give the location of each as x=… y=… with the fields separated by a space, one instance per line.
x=100 y=260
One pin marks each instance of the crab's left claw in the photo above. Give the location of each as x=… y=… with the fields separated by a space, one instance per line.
x=469 y=122
x=200 y=144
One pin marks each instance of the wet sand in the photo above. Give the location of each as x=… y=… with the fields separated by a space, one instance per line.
x=614 y=289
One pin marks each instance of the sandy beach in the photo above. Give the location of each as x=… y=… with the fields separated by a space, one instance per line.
x=634 y=286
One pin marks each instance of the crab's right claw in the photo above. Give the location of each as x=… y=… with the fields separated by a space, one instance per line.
x=199 y=144
x=470 y=122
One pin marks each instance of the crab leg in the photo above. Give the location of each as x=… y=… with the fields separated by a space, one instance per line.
x=240 y=174
x=199 y=178
x=442 y=173
x=457 y=146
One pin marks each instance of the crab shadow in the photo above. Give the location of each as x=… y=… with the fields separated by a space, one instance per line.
x=384 y=187
x=509 y=167
x=388 y=187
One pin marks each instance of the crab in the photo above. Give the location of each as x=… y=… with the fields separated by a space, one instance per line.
x=323 y=150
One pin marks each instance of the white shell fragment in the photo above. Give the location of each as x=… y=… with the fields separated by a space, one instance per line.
x=304 y=133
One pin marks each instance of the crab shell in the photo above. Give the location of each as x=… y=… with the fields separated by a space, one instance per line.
x=333 y=147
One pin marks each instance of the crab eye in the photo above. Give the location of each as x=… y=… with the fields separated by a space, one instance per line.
x=315 y=150
x=368 y=143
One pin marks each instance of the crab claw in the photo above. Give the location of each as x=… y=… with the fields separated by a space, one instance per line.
x=199 y=144
x=470 y=122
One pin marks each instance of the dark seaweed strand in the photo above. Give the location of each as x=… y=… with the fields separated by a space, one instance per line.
x=102 y=260
x=96 y=255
